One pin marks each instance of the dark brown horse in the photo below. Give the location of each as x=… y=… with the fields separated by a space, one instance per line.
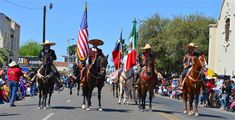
x=46 y=80
x=146 y=83
x=95 y=77
x=193 y=84
x=74 y=79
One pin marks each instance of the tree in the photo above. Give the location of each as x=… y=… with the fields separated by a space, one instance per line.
x=168 y=38
x=3 y=57
x=30 y=48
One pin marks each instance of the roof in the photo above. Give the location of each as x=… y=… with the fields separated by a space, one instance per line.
x=61 y=64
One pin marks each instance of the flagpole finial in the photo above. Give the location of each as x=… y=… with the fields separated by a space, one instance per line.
x=86 y=5
x=134 y=20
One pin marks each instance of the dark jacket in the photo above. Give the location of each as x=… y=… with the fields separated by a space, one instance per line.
x=47 y=57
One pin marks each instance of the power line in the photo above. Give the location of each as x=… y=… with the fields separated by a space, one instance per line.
x=21 y=6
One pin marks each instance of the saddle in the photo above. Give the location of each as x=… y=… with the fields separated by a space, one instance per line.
x=142 y=75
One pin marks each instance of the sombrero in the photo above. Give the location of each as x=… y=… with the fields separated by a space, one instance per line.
x=147 y=46
x=191 y=45
x=96 y=42
x=47 y=42
x=13 y=63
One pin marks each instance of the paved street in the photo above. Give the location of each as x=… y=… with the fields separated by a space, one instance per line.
x=68 y=107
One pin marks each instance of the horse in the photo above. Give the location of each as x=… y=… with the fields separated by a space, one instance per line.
x=126 y=84
x=95 y=77
x=75 y=78
x=46 y=80
x=193 y=84
x=146 y=83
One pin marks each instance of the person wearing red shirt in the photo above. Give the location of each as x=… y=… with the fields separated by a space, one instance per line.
x=209 y=87
x=14 y=73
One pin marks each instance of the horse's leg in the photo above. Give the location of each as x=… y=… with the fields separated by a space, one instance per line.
x=117 y=89
x=144 y=98
x=50 y=94
x=78 y=87
x=196 y=102
x=150 y=99
x=113 y=86
x=190 y=103
x=70 y=88
x=120 y=93
x=99 y=97
x=45 y=100
x=140 y=98
x=40 y=98
x=84 y=94
x=89 y=97
x=185 y=100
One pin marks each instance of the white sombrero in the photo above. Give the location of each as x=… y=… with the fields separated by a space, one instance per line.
x=192 y=45
x=47 y=42
x=13 y=63
x=147 y=46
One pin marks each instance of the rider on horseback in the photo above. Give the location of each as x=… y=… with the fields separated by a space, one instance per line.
x=95 y=52
x=46 y=56
x=145 y=56
x=187 y=62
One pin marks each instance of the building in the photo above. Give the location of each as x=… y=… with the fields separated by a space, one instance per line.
x=9 y=36
x=222 y=40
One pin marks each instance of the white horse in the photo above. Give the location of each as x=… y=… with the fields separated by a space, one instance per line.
x=126 y=84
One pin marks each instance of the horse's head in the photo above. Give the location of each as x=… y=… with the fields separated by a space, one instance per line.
x=102 y=62
x=149 y=67
x=200 y=62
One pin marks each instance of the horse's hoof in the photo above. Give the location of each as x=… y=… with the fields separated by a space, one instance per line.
x=150 y=110
x=141 y=110
x=190 y=113
x=88 y=109
x=100 y=109
x=39 y=108
x=83 y=106
x=196 y=114
x=185 y=112
x=48 y=107
x=44 y=108
x=128 y=103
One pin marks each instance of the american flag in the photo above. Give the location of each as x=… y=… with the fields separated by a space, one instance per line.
x=82 y=44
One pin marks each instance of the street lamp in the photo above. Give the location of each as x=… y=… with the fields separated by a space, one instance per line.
x=44 y=21
x=68 y=53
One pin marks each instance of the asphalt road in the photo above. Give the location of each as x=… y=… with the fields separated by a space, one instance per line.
x=68 y=107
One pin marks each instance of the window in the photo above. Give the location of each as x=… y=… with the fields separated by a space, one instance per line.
x=227 y=25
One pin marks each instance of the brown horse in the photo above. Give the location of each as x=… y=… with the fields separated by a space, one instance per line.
x=193 y=84
x=95 y=77
x=146 y=83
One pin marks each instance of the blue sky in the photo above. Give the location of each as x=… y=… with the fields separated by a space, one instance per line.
x=106 y=18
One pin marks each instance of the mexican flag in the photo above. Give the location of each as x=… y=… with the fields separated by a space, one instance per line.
x=131 y=57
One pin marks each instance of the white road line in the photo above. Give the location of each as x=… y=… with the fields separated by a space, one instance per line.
x=68 y=101
x=48 y=116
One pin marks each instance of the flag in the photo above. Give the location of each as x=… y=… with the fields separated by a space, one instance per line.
x=82 y=44
x=131 y=56
x=117 y=53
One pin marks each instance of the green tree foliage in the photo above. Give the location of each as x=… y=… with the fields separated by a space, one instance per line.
x=30 y=48
x=3 y=57
x=168 y=38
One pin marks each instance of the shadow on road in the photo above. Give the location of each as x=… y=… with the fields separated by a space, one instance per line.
x=6 y=114
x=64 y=107
x=213 y=116
x=27 y=105
x=164 y=111
x=116 y=110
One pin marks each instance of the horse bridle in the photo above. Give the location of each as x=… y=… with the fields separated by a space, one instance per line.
x=200 y=72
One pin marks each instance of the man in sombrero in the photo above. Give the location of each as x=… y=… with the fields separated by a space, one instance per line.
x=94 y=51
x=146 y=54
x=187 y=61
x=50 y=55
